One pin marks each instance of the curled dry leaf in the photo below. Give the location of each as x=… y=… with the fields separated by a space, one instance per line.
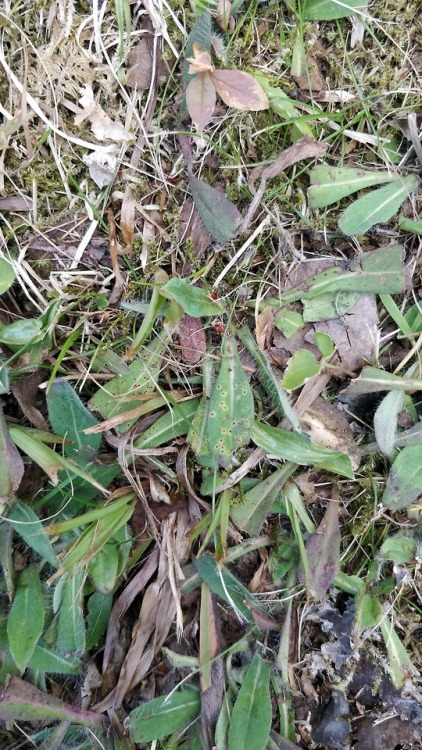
x=239 y=90
x=200 y=100
x=200 y=62
x=101 y=124
x=261 y=328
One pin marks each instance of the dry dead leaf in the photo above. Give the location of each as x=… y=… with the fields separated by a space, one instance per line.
x=127 y=219
x=102 y=125
x=192 y=339
x=263 y=320
x=140 y=61
x=223 y=14
x=328 y=426
x=102 y=166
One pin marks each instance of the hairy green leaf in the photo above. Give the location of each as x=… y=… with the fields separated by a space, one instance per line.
x=175 y=422
x=251 y=717
x=163 y=716
x=250 y=511
x=71 y=623
x=26 y=618
x=103 y=568
x=27 y=524
x=385 y=421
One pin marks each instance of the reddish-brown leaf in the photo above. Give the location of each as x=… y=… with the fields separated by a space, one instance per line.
x=200 y=100
x=11 y=466
x=192 y=339
x=239 y=90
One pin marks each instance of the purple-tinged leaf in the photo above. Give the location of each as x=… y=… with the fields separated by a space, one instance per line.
x=323 y=552
x=20 y=701
x=11 y=465
x=220 y=216
x=192 y=339
x=239 y=90
x=200 y=100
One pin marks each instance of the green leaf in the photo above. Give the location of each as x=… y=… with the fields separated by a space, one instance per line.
x=372 y=380
x=68 y=418
x=251 y=717
x=27 y=524
x=269 y=379
x=288 y=322
x=295 y=448
x=103 y=568
x=371 y=612
x=331 y=184
x=7 y=275
x=11 y=465
x=399 y=663
x=45 y=660
x=324 y=343
x=192 y=299
x=174 y=423
x=378 y=271
x=328 y=306
x=399 y=548
x=99 y=608
x=163 y=716
x=25 y=623
x=197 y=437
x=21 y=332
x=377 y=206
x=410 y=225
x=285 y=108
x=71 y=624
x=49 y=461
x=404 y=483
x=220 y=216
x=323 y=552
x=385 y=421
x=231 y=412
x=300 y=368
x=250 y=512
x=226 y=586
x=328 y=10
x=119 y=394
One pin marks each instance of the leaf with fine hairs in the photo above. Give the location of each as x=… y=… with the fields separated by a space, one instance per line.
x=239 y=90
x=200 y=100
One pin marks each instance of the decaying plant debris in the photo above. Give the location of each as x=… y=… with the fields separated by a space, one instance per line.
x=210 y=340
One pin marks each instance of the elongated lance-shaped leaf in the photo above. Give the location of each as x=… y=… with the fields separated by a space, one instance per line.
x=220 y=216
x=404 y=483
x=376 y=207
x=251 y=718
x=69 y=418
x=26 y=619
x=331 y=184
x=71 y=624
x=163 y=716
x=197 y=435
x=328 y=10
x=268 y=378
x=27 y=524
x=323 y=552
x=231 y=413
